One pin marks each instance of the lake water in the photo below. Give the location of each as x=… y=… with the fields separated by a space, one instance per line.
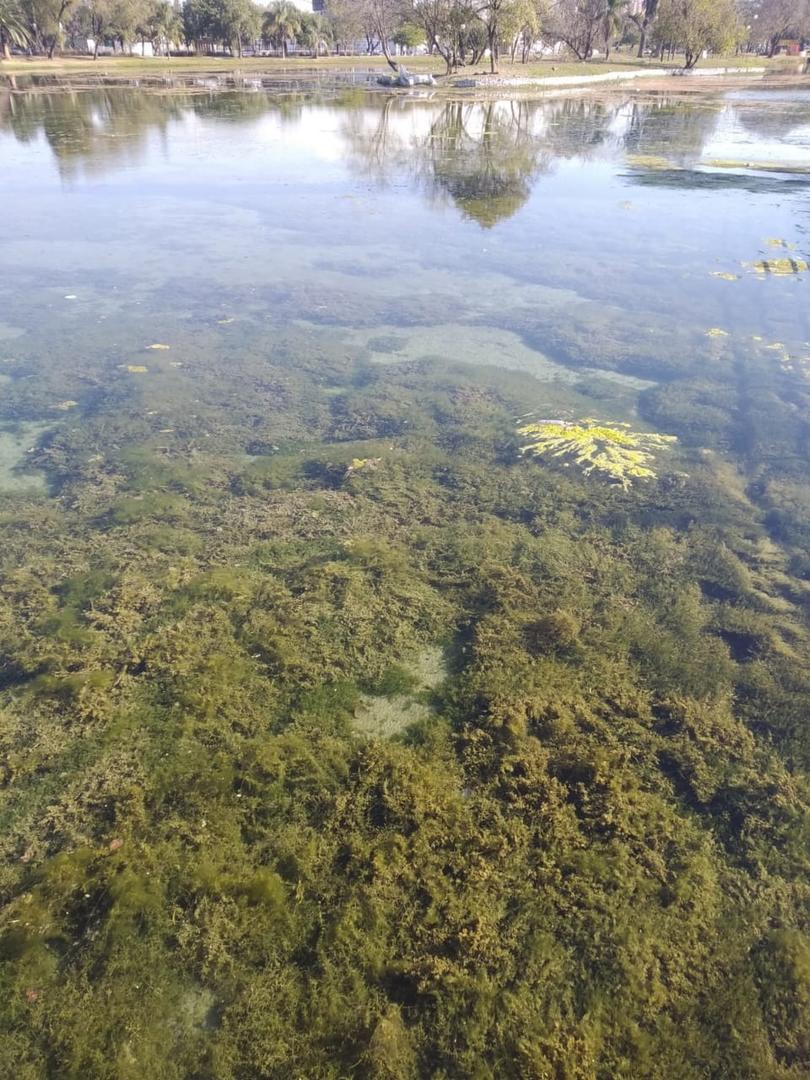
x=338 y=736
x=317 y=224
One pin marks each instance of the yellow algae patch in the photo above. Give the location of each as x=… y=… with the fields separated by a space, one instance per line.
x=65 y=405
x=716 y=332
x=363 y=463
x=757 y=166
x=158 y=346
x=779 y=267
x=136 y=369
x=725 y=275
x=620 y=456
x=649 y=161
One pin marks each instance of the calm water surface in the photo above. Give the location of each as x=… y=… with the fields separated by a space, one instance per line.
x=600 y=244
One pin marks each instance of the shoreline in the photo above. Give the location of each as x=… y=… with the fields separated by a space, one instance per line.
x=576 y=78
x=564 y=81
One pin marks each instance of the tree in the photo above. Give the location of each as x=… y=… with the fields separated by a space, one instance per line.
x=577 y=23
x=125 y=19
x=644 y=19
x=282 y=24
x=773 y=20
x=697 y=25
x=383 y=19
x=612 y=21
x=13 y=27
x=490 y=13
x=345 y=19
x=45 y=20
x=240 y=22
x=227 y=22
x=94 y=18
x=162 y=26
x=315 y=33
x=449 y=28
x=520 y=26
x=409 y=36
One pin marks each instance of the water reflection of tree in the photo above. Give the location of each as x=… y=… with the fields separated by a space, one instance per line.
x=89 y=128
x=677 y=129
x=483 y=157
x=96 y=127
x=772 y=119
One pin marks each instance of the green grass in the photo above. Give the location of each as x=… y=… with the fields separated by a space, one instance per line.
x=124 y=66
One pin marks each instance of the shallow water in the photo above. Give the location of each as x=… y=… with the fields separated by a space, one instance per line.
x=238 y=223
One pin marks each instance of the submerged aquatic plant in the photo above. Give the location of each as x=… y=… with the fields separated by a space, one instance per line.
x=619 y=454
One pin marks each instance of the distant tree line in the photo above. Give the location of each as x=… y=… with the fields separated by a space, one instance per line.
x=460 y=32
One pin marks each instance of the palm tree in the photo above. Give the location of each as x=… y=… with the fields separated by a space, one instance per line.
x=282 y=23
x=13 y=27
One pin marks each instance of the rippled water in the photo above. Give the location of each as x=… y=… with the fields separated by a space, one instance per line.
x=590 y=241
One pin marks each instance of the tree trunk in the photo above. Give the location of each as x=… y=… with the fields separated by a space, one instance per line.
x=384 y=45
x=493 y=50
x=52 y=48
x=95 y=47
x=6 y=49
x=642 y=41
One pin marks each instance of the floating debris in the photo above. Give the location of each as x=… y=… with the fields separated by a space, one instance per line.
x=725 y=275
x=775 y=242
x=716 y=332
x=220 y=322
x=136 y=369
x=779 y=267
x=619 y=455
x=157 y=346
x=71 y=296
x=63 y=406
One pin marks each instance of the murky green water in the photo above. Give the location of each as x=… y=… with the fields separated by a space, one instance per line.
x=590 y=242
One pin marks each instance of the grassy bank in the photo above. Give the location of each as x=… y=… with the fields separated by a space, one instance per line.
x=125 y=66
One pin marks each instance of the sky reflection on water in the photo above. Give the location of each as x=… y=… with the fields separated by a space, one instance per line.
x=461 y=231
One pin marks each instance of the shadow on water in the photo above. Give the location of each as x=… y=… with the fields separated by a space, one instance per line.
x=700 y=180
